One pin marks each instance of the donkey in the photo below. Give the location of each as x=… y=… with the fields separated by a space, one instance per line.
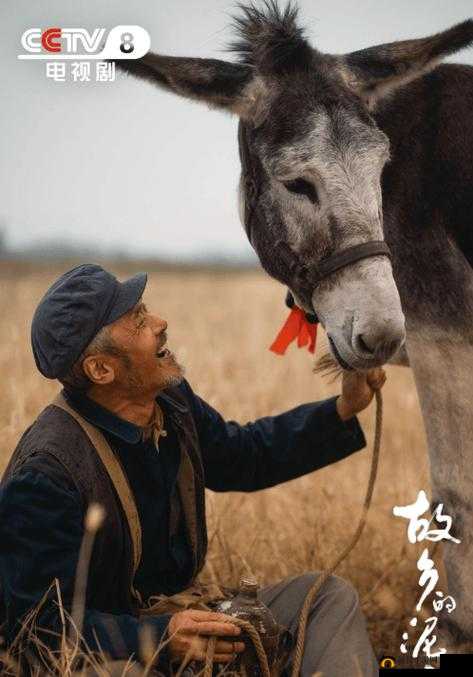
x=342 y=150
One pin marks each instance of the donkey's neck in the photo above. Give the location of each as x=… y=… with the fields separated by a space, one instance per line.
x=428 y=210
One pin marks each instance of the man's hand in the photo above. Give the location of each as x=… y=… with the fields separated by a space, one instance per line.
x=189 y=633
x=358 y=390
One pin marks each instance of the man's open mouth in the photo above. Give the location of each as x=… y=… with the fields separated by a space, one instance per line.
x=164 y=352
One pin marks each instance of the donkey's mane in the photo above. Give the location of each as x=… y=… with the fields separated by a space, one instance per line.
x=269 y=39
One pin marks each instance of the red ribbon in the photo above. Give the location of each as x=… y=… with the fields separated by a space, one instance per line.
x=295 y=327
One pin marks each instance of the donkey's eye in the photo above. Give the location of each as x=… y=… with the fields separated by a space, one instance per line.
x=302 y=187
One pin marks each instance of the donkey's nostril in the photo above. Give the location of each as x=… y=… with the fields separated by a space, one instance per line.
x=361 y=342
x=381 y=345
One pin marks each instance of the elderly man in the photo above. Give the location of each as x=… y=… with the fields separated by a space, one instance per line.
x=128 y=432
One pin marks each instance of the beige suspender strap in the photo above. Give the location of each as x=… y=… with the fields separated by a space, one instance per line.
x=116 y=474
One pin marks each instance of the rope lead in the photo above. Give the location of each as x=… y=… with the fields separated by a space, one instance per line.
x=347 y=550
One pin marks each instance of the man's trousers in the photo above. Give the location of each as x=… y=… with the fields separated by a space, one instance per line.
x=336 y=641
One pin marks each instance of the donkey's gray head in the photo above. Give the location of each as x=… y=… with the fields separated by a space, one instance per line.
x=312 y=158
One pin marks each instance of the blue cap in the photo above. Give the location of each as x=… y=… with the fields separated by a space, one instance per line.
x=74 y=310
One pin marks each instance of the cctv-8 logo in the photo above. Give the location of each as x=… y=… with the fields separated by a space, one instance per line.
x=123 y=42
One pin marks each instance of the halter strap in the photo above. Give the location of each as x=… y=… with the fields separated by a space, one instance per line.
x=340 y=259
x=350 y=255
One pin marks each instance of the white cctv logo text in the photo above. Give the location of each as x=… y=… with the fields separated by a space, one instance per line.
x=56 y=40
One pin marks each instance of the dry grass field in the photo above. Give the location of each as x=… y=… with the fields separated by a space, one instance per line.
x=220 y=326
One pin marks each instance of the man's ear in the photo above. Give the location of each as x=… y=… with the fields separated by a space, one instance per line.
x=99 y=369
x=220 y=84
x=375 y=72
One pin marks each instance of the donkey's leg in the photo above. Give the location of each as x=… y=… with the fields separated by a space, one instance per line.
x=443 y=372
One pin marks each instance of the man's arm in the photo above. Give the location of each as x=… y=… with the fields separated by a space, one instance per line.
x=41 y=529
x=273 y=449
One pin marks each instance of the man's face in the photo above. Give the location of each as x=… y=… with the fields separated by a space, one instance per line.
x=145 y=364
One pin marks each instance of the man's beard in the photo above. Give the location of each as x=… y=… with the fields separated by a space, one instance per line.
x=136 y=384
x=175 y=379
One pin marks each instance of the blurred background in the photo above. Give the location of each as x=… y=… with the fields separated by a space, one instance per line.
x=122 y=169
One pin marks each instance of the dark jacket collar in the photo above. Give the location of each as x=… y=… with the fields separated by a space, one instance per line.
x=103 y=418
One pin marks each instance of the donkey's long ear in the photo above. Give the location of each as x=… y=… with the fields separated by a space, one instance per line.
x=376 y=71
x=221 y=84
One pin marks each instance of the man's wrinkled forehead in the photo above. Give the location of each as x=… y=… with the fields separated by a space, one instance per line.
x=138 y=308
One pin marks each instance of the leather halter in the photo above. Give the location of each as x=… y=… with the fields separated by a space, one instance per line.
x=350 y=255
x=338 y=260
x=326 y=266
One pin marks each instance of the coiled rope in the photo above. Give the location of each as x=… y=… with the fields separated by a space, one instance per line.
x=304 y=614
x=255 y=638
